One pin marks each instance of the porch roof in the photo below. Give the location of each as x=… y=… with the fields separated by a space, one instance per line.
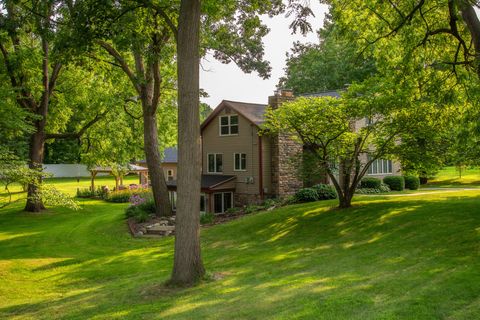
x=210 y=182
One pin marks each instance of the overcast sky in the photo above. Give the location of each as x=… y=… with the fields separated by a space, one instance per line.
x=228 y=82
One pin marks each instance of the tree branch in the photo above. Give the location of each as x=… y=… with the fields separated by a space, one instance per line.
x=76 y=135
x=121 y=61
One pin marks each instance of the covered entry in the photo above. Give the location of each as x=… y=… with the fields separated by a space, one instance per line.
x=217 y=192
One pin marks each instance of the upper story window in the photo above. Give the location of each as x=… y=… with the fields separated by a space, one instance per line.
x=240 y=161
x=381 y=166
x=228 y=125
x=215 y=163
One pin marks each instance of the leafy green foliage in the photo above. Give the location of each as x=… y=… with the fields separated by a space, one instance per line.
x=383 y=188
x=396 y=183
x=325 y=191
x=306 y=195
x=207 y=218
x=137 y=213
x=122 y=196
x=412 y=182
x=330 y=65
x=370 y=182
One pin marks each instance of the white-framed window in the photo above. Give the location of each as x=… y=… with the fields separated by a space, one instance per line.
x=222 y=201
x=240 y=161
x=215 y=163
x=380 y=166
x=228 y=125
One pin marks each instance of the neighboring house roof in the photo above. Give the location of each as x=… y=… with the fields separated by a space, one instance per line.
x=170 y=155
x=253 y=112
x=208 y=182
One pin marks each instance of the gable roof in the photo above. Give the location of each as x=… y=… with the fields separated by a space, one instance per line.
x=170 y=155
x=253 y=112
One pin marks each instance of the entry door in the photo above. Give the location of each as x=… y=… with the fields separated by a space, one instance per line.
x=222 y=201
x=217 y=202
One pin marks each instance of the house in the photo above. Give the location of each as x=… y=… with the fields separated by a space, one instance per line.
x=169 y=163
x=240 y=166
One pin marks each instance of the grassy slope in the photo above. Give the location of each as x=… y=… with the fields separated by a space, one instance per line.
x=449 y=177
x=408 y=257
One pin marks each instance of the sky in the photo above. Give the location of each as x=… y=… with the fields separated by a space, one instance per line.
x=228 y=82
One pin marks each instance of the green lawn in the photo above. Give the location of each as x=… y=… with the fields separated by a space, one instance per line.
x=450 y=177
x=411 y=257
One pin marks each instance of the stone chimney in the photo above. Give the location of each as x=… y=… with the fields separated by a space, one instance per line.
x=285 y=154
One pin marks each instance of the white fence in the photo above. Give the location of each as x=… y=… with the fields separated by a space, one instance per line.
x=68 y=170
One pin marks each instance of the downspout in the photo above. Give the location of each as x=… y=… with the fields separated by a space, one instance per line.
x=260 y=167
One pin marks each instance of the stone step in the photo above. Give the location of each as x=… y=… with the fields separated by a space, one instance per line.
x=161 y=228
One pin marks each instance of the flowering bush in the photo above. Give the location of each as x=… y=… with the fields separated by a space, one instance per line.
x=136 y=200
x=141 y=207
x=125 y=195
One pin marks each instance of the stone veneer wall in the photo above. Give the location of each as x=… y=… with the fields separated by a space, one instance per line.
x=285 y=157
x=245 y=199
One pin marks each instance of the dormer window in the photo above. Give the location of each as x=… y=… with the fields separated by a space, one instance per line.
x=229 y=125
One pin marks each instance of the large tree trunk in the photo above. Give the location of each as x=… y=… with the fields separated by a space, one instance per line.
x=36 y=152
x=473 y=24
x=188 y=266
x=37 y=139
x=157 y=178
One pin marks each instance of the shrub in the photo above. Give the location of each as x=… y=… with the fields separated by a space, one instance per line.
x=367 y=191
x=84 y=193
x=206 y=218
x=288 y=200
x=232 y=210
x=396 y=183
x=251 y=208
x=148 y=205
x=412 y=182
x=384 y=188
x=373 y=183
x=137 y=213
x=306 y=195
x=122 y=196
x=119 y=196
x=267 y=204
x=325 y=191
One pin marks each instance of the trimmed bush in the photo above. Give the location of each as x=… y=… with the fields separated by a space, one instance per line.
x=325 y=191
x=372 y=183
x=396 y=183
x=306 y=195
x=412 y=182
